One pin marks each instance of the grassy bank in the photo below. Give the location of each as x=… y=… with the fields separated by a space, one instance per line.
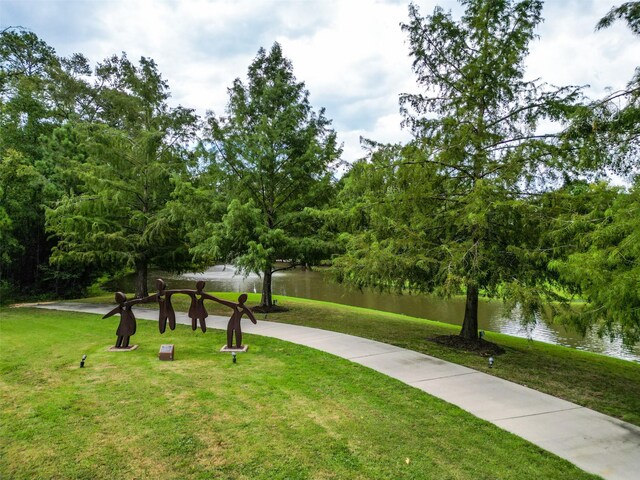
x=605 y=384
x=283 y=411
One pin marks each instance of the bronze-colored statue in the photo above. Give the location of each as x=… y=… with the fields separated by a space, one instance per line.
x=127 y=325
x=239 y=309
x=166 y=309
x=197 y=312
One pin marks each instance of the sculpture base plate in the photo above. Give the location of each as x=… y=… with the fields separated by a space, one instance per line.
x=127 y=349
x=243 y=348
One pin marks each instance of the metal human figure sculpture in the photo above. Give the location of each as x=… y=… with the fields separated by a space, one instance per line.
x=167 y=313
x=197 y=313
x=239 y=309
x=127 y=325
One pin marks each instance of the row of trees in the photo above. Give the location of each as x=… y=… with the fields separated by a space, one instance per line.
x=100 y=174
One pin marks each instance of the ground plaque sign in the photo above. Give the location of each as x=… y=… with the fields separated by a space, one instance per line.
x=166 y=352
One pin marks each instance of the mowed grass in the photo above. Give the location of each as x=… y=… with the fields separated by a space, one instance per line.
x=283 y=411
x=605 y=384
x=608 y=385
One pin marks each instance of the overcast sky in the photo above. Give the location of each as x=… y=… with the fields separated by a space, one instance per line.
x=351 y=54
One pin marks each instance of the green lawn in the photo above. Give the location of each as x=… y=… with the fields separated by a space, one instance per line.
x=283 y=411
x=605 y=384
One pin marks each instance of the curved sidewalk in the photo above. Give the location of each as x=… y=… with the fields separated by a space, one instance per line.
x=594 y=442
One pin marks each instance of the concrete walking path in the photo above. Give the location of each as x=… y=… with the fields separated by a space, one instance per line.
x=594 y=442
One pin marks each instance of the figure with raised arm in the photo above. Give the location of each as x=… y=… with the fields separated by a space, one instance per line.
x=127 y=325
x=239 y=309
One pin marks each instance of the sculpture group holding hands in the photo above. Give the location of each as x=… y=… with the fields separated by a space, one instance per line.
x=197 y=312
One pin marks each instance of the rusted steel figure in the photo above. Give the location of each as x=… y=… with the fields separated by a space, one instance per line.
x=197 y=312
x=127 y=325
x=166 y=309
x=239 y=309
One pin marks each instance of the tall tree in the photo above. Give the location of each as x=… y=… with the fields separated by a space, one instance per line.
x=38 y=93
x=118 y=217
x=277 y=153
x=457 y=222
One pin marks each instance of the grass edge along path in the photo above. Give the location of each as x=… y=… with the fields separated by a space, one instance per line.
x=605 y=384
x=283 y=411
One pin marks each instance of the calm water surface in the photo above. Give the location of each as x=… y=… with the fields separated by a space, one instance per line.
x=313 y=284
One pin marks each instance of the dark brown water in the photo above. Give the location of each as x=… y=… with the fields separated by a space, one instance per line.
x=313 y=284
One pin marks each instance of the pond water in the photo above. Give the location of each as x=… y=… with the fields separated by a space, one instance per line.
x=315 y=285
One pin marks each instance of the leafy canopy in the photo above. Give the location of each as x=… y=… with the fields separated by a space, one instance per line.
x=39 y=92
x=446 y=214
x=132 y=150
x=276 y=154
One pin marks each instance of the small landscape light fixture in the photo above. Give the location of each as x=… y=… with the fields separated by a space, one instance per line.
x=84 y=357
x=490 y=362
x=233 y=355
x=481 y=334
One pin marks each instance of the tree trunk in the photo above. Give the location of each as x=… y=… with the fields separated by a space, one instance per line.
x=470 y=324
x=141 y=278
x=266 y=300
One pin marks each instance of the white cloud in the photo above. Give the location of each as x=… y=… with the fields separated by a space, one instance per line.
x=571 y=52
x=385 y=130
x=351 y=54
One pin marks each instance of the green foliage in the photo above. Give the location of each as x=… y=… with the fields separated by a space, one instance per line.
x=37 y=95
x=604 y=266
x=199 y=201
x=628 y=11
x=20 y=185
x=274 y=152
x=448 y=213
x=97 y=152
x=600 y=224
x=605 y=134
x=125 y=161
